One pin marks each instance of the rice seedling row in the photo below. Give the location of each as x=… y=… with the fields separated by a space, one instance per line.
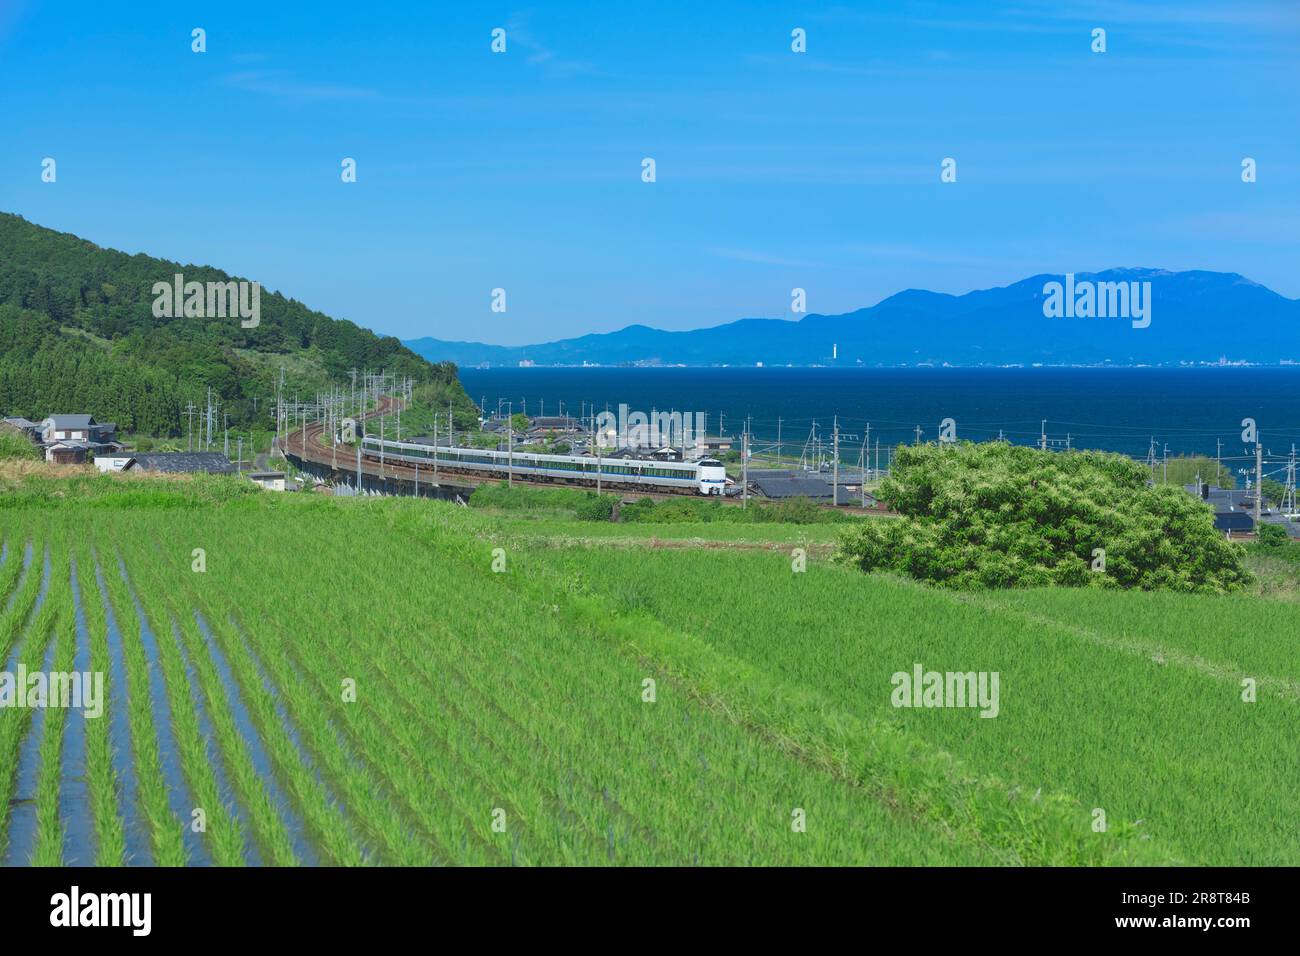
x=215 y=698
x=19 y=755
x=50 y=782
x=104 y=782
x=221 y=826
x=164 y=829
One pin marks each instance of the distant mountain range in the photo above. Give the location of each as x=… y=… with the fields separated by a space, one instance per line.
x=1194 y=317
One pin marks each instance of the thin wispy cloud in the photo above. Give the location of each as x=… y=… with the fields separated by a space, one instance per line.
x=280 y=83
x=759 y=257
x=908 y=252
x=539 y=54
x=1242 y=226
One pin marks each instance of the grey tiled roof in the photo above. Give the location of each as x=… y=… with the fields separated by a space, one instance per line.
x=65 y=422
x=795 y=486
x=212 y=462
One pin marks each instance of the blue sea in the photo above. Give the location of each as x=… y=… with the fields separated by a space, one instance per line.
x=1120 y=409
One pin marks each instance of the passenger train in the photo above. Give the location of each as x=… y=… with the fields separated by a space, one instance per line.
x=704 y=477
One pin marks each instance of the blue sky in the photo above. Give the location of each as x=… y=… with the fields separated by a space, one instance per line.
x=775 y=169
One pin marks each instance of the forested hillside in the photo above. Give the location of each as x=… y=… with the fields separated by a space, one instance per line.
x=78 y=334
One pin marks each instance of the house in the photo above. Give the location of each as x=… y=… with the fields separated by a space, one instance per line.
x=72 y=439
x=179 y=462
x=545 y=425
x=270 y=480
x=77 y=428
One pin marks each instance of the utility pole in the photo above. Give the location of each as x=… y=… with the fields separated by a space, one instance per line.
x=435 y=447
x=510 y=447
x=835 y=464
x=744 y=469
x=918 y=434
x=1290 y=482
x=1043 y=438
x=1166 y=464
x=862 y=485
x=1259 y=478
x=189 y=426
x=780 y=449
x=1288 y=500
x=1218 y=460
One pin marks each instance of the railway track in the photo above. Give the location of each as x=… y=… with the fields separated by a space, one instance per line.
x=311 y=444
x=306 y=443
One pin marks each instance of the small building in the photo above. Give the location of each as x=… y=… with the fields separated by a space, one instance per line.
x=270 y=480
x=114 y=461
x=181 y=462
x=67 y=452
x=713 y=443
x=544 y=425
x=778 y=485
x=1234 y=522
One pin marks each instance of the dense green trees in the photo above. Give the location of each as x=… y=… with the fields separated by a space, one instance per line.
x=997 y=515
x=78 y=334
x=62 y=376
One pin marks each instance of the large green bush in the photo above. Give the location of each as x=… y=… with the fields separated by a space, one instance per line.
x=997 y=515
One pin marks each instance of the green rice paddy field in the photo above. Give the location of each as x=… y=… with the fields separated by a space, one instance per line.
x=406 y=682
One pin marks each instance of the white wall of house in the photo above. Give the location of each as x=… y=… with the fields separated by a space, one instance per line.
x=112 y=462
